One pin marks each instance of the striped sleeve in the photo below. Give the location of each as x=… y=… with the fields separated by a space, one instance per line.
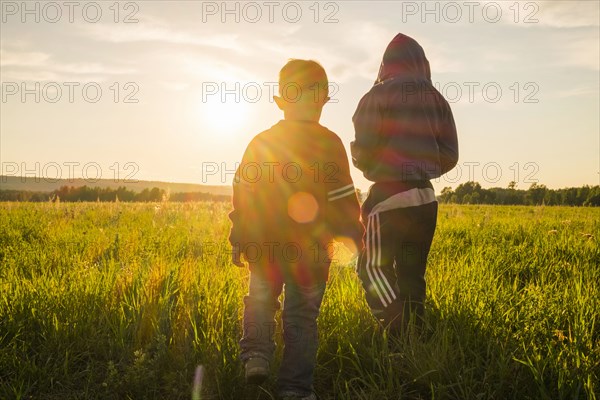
x=343 y=208
x=340 y=193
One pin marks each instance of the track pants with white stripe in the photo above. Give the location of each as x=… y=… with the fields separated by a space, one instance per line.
x=392 y=264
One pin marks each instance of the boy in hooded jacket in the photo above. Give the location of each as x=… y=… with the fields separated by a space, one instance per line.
x=405 y=136
x=292 y=195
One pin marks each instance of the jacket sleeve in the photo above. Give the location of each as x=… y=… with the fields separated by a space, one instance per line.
x=368 y=123
x=235 y=215
x=447 y=139
x=242 y=193
x=343 y=208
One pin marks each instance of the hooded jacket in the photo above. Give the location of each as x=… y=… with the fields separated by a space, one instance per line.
x=404 y=128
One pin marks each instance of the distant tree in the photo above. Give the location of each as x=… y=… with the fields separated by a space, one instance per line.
x=536 y=193
x=593 y=198
x=446 y=195
x=551 y=198
x=569 y=196
x=156 y=194
x=464 y=191
x=582 y=195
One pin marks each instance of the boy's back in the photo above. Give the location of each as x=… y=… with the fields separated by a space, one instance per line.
x=283 y=183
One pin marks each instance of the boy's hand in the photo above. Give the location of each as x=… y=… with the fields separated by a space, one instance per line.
x=236 y=256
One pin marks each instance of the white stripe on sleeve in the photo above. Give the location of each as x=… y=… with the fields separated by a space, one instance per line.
x=341 y=192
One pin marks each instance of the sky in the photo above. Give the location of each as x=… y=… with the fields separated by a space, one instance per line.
x=174 y=91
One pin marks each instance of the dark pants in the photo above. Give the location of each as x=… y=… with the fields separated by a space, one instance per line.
x=302 y=301
x=392 y=264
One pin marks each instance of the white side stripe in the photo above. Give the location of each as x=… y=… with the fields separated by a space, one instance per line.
x=410 y=198
x=341 y=192
x=343 y=189
x=378 y=266
x=368 y=263
x=378 y=240
x=348 y=193
x=374 y=264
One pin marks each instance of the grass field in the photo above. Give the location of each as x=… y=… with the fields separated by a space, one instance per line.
x=124 y=301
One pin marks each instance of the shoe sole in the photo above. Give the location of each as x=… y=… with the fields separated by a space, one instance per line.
x=256 y=378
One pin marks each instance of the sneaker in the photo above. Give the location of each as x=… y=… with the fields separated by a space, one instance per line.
x=257 y=370
x=296 y=396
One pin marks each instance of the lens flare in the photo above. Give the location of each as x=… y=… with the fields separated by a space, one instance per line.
x=302 y=207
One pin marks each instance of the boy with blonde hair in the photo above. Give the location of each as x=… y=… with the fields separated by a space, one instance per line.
x=292 y=195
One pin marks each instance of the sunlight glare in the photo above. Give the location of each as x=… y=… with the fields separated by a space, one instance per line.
x=224 y=115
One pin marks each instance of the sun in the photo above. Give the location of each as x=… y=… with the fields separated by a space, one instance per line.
x=225 y=115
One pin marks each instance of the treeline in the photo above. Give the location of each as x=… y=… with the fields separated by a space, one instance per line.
x=466 y=193
x=86 y=193
x=537 y=194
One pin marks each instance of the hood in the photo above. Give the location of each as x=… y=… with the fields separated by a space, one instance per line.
x=404 y=57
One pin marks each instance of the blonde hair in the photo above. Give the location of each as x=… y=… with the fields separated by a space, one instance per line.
x=303 y=76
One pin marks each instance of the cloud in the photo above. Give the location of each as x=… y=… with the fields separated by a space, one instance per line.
x=30 y=76
x=582 y=51
x=442 y=57
x=569 y=14
x=367 y=45
x=47 y=76
x=22 y=59
x=545 y=13
x=345 y=57
x=157 y=31
x=578 y=92
x=26 y=65
x=206 y=67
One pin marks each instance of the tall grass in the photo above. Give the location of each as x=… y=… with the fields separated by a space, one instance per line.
x=124 y=301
